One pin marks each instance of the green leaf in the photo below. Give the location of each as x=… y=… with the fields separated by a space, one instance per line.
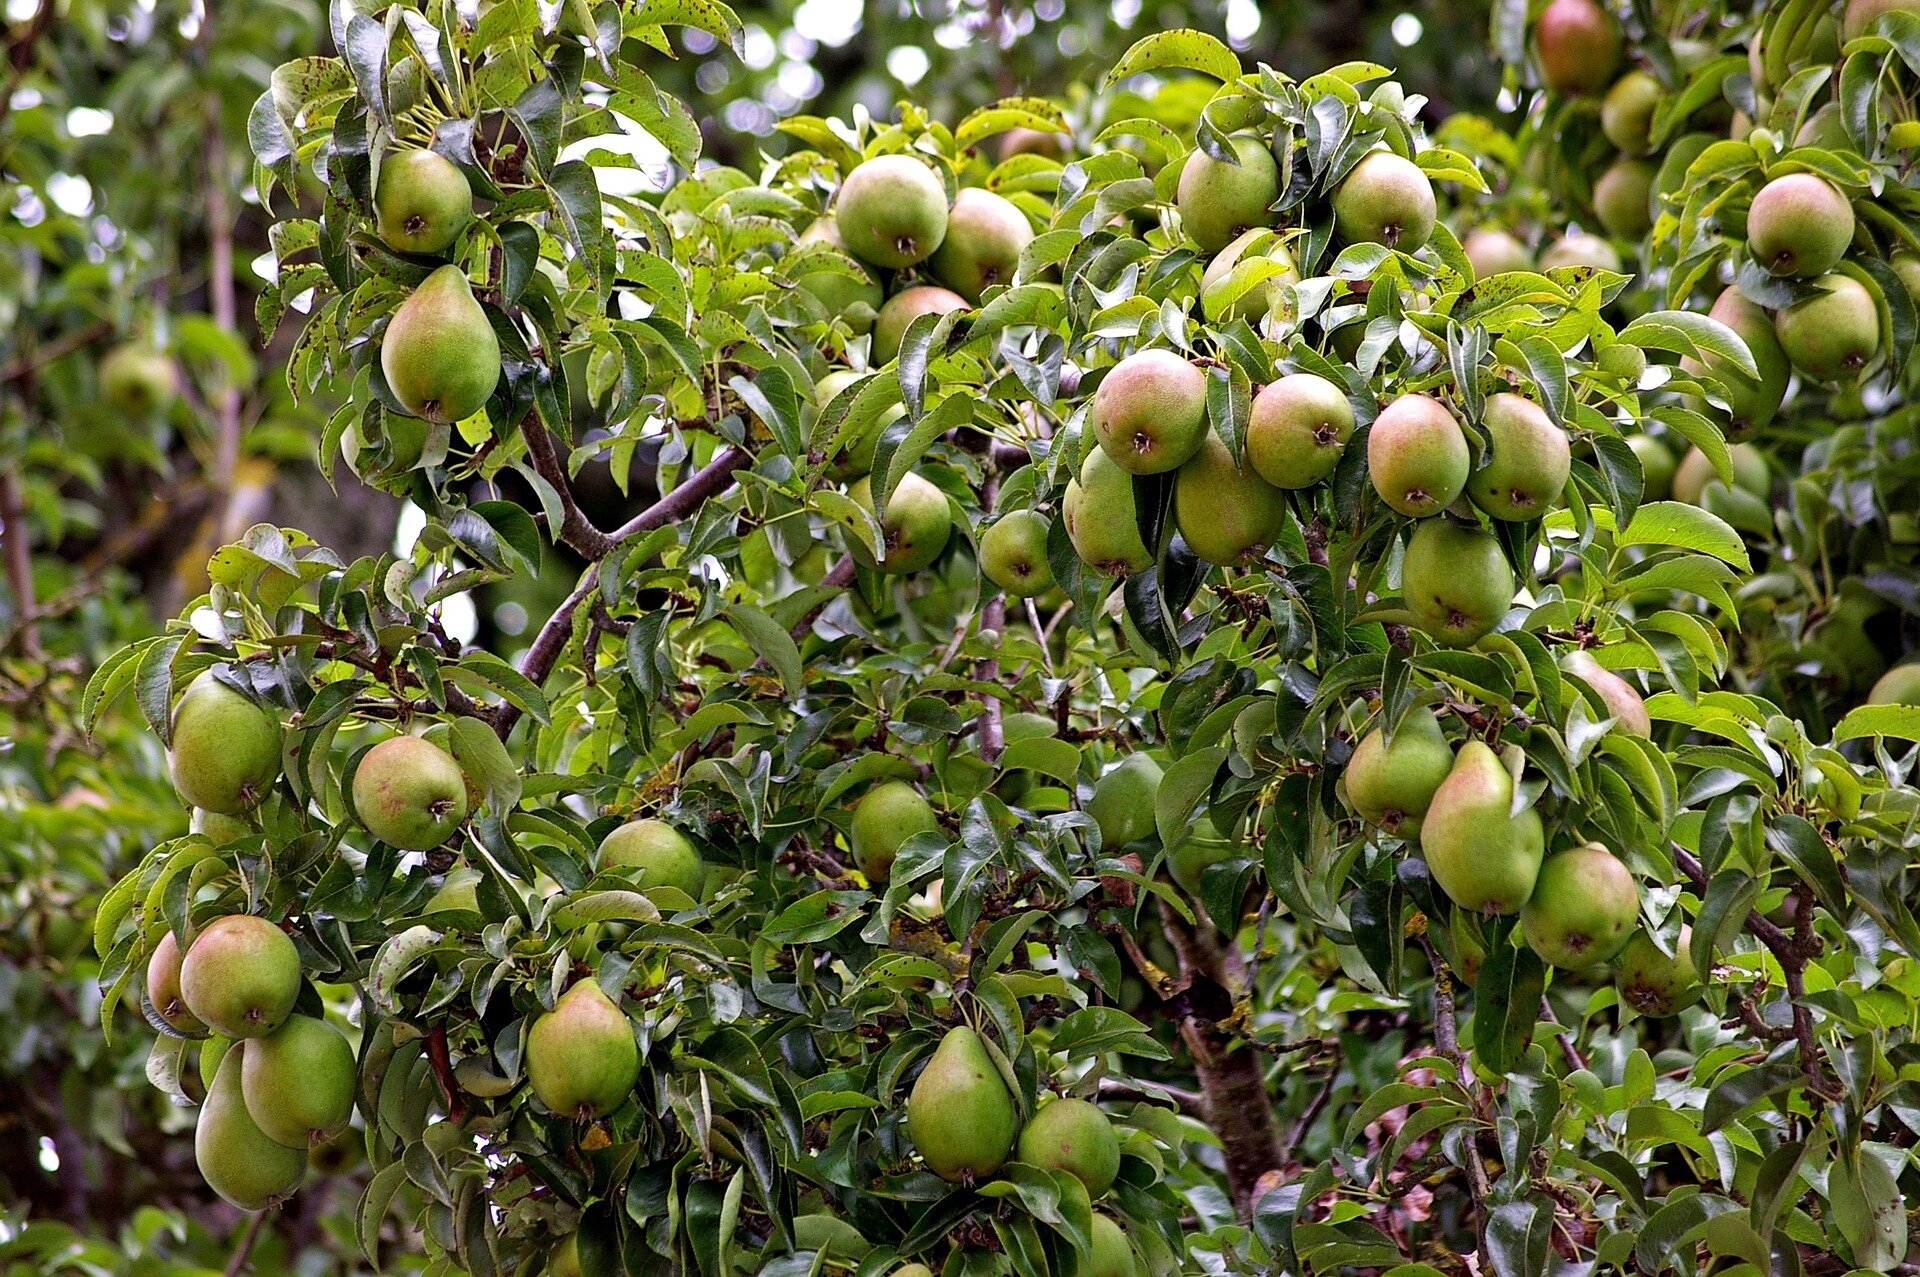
x=1689 y=527
x=769 y=638
x=1183 y=49
x=1507 y=1005
x=486 y=761
x=1902 y=722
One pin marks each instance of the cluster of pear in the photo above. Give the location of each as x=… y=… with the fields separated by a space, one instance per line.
x=965 y=1125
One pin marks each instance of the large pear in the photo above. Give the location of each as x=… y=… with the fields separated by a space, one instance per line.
x=1623 y=704
x=236 y=1158
x=1583 y=908
x=1226 y=512
x=985 y=235
x=1751 y=401
x=960 y=1114
x=422 y=203
x=1483 y=856
x=892 y=211
x=440 y=355
x=917 y=525
x=1102 y=519
x=1528 y=460
x=1456 y=581
x=225 y=754
x=241 y=976
x=1219 y=201
x=1417 y=456
x=581 y=1056
x=1391 y=785
x=410 y=793
x=900 y=310
x=1123 y=802
x=1073 y=1136
x=299 y=1082
x=1150 y=411
x=883 y=820
x=662 y=853
x=1297 y=429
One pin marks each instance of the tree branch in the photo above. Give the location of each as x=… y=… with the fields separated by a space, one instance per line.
x=576 y=530
x=238 y=1264
x=220 y=300
x=19 y=554
x=993 y=617
x=65 y=344
x=1446 y=1037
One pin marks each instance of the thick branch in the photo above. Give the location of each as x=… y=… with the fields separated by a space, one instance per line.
x=576 y=530
x=838 y=578
x=19 y=554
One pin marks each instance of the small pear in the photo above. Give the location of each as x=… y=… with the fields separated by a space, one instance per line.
x=1751 y=402
x=241 y=976
x=1623 y=704
x=960 y=1115
x=1657 y=466
x=1831 y=335
x=1257 y=299
x=1583 y=908
x=1392 y=785
x=886 y=816
x=1112 y=1253
x=581 y=1056
x=1898 y=686
x=1495 y=252
x=299 y=1082
x=1297 y=430
x=1219 y=201
x=892 y=211
x=1577 y=44
x=1580 y=249
x=137 y=380
x=1485 y=858
x=225 y=755
x=440 y=355
x=662 y=853
x=1226 y=512
x=1123 y=802
x=900 y=310
x=1527 y=463
x=422 y=202
x=1651 y=982
x=1150 y=411
x=234 y=1155
x=1385 y=199
x=1621 y=198
x=1799 y=225
x=1101 y=518
x=1417 y=456
x=163 y=986
x=915 y=530
x=410 y=793
x=1626 y=113
x=1456 y=581
x=985 y=236
x=1073 y=1136
x=1695 y=479
x=1013 y=554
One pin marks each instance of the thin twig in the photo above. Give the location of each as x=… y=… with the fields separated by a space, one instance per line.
x=238 y=1264
x=58 y=348
x=1446 y=1037
x=19 y=553
x=992 y=617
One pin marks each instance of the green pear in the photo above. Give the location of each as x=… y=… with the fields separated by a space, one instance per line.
x=299 y=1082
x=662 y=853
x=226 y=748
x=892 y=211
x=1123 y=802
x=1256 y=299
x=1150 y=411
x=1485 y=858
x=1621 y=198
x=422 y=202
x=1799 y=225
x=565 y=1259
x=1392 y=785
x=1751 y=401
x=440 y=355
x=1898 y=686
x=985 y=236
x=916 y=528
x=1491 y=252
x=960 y=1115
x=1583 y=908
x=1189 y=859
x=1101 y=520
x=1112 y=1253
x=1528 y=460
x=219 y=828
x=1219 y=201
x=886 y=816
x=1626 y=113
x=338 y=1154
x=1385 y=199
x=1861 y=13
x=410 y=793
x=1076 y=1137
x=852 y=295
x=1831 y=335
x=1456 y=581
x=1417 y=456
x=1297 y=430
x=1906 y=266
x=1651 y=982
x=1623 y=704
x=234 y=1155
x=241 y=976
x=581 y=1056
x=1695 y=477
x=1227 y=513
x=1826 y=128
x=1657 y=466
x=1013 y=554
x=900 y=310
x=1577 y=45
x=137 y=380
x=163 y=986
x=1580 y=249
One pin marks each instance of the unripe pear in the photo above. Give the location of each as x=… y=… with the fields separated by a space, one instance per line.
x=1577 y=43
x=163 y=986
x=1219 y=201
x=1485 y=858
x=1621 y=197
x=1652 y=983
x=1581 y=250
x=1456 y=581
x=1626 y=113
x=1013 y=554
x=1101 y=519
x=1112 y=1254
x=883 y=820
x=1495 y=252
x=234 y=1155
x=565 y=1260
x=1033 y=142
x=1826 y=129
x=410 y=793
x=338 y=1154
x=1073 y=1136
x=985 y=235
x=1417 y=456
x=662 y=853
x=1189 y=859
x=1696 y=474
x=1799 y=225
x=581 y=1057
x=1898 y=686
x=226 y=749
x=1623 y=704
x=1657 y=466
x=1151 y=411
x=1297 y=429
x=137 y=380
x=1832 y=335
x=1253 y=304
x=1123 y=802
x=1226 y=513
x=219 y=828
x=1392 y=785
x=960 y=1115
x=241 y=976
x=900 y=310
x=1528 y=460
x=440 y=355
x=1906 y=266
x=916 y=528
x=855 y=299
x=892 y=211
x=1861 y=13
x=1583 y=908
x=299 y=1082
x=1385 y=199
x=422 y=202
x=1751 y=401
